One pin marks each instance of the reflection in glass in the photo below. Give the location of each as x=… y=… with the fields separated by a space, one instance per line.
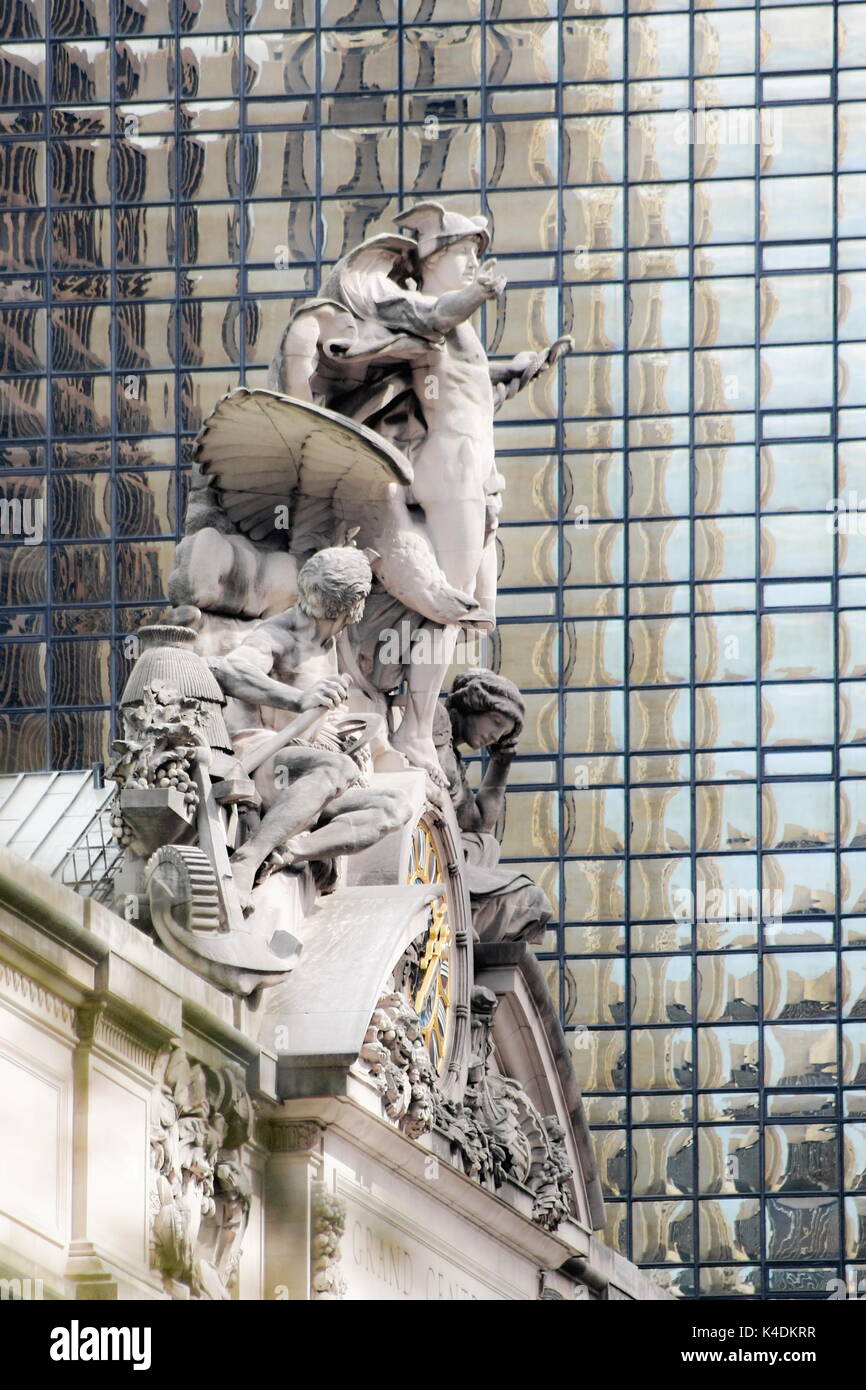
x=662 y=1059
x=802 y=1228
x=661 y=990
x=799 y=986
x=662 y=1162
x=599 y=1063
x=662 y=1231
x=735 y=1281
x=800 y=1056
x=801 y=1158
x=728 y=1057
x=730 y=1230
x=727 y=988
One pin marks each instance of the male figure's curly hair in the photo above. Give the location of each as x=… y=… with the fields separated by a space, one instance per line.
x=339 y=576
x=483 y=692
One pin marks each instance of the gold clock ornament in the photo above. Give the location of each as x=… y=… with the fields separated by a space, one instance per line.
x=430 y=982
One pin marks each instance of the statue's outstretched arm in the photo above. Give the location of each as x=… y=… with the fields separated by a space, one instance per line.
x=244 y=681
x=457 y=306
x=438 y=316
x=244 y=675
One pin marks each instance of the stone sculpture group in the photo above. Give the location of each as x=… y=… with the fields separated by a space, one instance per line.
x=357 y=497
x=360 y=493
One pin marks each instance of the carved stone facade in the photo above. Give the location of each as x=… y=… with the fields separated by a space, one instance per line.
x=200 y=1196
x=328 y=1197
x=495 y=1132
x=394 y=1053
x=328 y=1229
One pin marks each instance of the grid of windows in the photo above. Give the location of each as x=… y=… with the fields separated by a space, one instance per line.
x=683 y=562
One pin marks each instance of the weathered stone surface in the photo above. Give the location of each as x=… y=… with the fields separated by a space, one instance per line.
x=329 y=1197
x=200 y=1195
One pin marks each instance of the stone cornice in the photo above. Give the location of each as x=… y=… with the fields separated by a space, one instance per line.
x=123 y=994
x=37 y=999
x=280 y=1135
x=98 y=1030
x=492 y=1212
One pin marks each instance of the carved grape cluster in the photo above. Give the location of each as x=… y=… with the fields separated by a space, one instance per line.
x=175 y=774
x=121 y=831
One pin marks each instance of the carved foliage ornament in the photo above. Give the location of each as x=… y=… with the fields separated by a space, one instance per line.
x=176 y=816
x=200 y=1194
x=329 y=1225
x=495 y=1131
x=163 y=734
x=395 y=1055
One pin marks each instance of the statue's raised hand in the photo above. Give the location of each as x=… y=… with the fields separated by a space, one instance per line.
x=491 y=282
x=504 y=749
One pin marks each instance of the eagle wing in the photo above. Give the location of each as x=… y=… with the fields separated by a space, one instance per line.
x=293 y=475
x=262 y=451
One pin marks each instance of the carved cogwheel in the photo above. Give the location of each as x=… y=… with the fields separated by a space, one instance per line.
x=184 y=876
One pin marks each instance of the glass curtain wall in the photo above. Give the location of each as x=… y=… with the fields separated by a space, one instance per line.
x=683 y=554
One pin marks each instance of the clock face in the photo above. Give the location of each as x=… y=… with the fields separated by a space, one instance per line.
x=430 y=975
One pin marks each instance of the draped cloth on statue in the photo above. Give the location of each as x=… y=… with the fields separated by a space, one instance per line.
x=376 y=328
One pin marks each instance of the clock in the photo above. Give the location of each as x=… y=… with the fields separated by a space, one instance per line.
x=435 y=973
x=429 y=978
